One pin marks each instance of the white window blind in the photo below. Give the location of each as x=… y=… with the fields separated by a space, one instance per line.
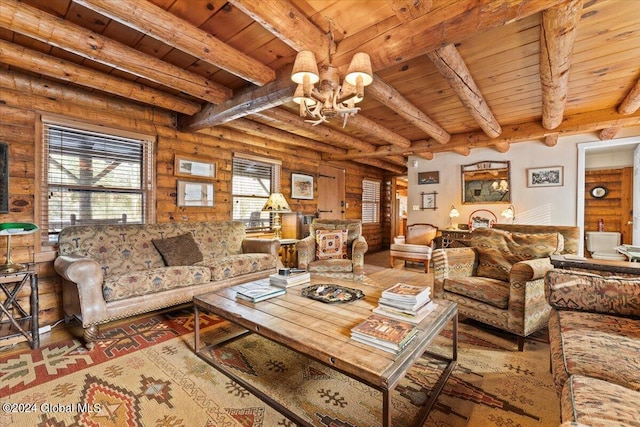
x=253 y=180
x=94 y=178
x=370 y=201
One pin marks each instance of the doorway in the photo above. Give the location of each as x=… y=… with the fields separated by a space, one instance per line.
x=628 y=145
x=331 y=192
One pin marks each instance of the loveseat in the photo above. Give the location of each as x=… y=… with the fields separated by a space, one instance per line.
x=115 y=271
x=499 y=279
x=594 y=336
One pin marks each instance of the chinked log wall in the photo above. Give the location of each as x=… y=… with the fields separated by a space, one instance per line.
x=19 y=116
x=615 y=208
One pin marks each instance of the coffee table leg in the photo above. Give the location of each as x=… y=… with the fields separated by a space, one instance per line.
x=386 y=408
x=196 y=327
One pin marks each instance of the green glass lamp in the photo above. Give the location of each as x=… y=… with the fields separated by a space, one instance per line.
x=14 y=229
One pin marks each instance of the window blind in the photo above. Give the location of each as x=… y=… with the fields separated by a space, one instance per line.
x=253 y=180
x=370 y=201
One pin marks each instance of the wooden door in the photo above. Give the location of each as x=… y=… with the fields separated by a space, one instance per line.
x=331 y=192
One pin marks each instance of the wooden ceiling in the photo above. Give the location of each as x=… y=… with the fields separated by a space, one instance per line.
x=449 y=75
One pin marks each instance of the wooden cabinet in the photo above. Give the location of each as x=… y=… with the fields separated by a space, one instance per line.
x=453 y=238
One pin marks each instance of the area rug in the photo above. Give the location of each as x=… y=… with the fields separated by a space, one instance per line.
x=144 y=373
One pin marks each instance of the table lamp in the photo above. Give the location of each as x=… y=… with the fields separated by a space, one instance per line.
x=509 y=213
x=276 y=204
x=453 y=213
x=14 y=229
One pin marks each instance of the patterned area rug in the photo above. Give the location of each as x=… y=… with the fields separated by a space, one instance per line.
x=146 y=374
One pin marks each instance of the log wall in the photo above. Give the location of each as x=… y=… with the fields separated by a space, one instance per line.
x=615 y=207
x=19 y=127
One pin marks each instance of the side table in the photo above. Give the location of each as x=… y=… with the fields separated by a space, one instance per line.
x=18 y=321
x=453 y=238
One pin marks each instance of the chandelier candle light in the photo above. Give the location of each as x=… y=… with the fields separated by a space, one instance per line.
x=329 y=99
x=276 y=204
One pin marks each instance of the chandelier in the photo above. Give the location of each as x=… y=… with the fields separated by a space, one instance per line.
x=329 y=99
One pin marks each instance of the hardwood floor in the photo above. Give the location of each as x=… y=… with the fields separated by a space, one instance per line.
x=375 y=262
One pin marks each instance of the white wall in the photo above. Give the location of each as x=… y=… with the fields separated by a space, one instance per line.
x=542 y=205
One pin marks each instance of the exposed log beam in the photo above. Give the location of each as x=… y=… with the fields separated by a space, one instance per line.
x=383 y=165
x=609 y=133
x=325 y=133
x=32 y=22
x=452 y=23
x=392 y=99
x=448 y=61
x=156 y=22
x=632 y=101
x=551 y=140
x=261 y=130
x=426 y=155
x=502 y=147
x=250 y=101
x=61 y=69
x=524 y=132
x=372 y=128
x=463 y=151
x=408 y=10
x=557 y=34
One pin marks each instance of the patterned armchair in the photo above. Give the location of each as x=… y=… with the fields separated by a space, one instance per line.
x=499 y=279
x=334 y=248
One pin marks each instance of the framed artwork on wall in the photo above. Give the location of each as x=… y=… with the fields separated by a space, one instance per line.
x=186 y=166
x=552 y=176
x=432 y=177
x=4 y=178
x=192 y=193
x=428 y=200
x=301 y=186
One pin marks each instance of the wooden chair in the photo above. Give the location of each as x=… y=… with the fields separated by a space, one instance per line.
x=416 y=246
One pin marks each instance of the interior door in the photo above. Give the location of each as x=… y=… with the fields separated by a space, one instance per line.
x=331 y=192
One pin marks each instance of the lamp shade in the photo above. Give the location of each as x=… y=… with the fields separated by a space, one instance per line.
x=305 y=64
x=360 y=67
x=298 y=97
x=453 y=213
x=276 y=203
x=509 y=213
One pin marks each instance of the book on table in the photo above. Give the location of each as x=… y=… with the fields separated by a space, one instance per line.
x=385 y=333
x=411 y=316
x=257 y=291
x=293 y=279
x=404 y=296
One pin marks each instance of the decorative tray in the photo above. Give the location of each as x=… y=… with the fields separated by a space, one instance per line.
x=331 y=294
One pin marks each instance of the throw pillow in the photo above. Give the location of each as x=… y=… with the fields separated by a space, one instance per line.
x=178 y=250
x=331 y=244
x=493 y=263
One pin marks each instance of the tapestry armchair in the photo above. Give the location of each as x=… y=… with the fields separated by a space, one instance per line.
x=417 y=245
x=334 y=248
x=499 y=279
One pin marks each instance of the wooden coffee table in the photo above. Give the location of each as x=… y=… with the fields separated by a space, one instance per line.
x=322 y=332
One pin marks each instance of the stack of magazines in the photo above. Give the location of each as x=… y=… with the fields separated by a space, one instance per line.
x=406 y=302
x=384 y=333
x=292 y=279
x=258 y=290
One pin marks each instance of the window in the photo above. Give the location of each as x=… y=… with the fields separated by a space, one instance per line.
x=370 y=201
x=93 y=177
x=253 y=180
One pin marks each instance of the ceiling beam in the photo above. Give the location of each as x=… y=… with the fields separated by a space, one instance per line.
x=609 y=133
x=448 y=61
x=551 y=140
x=408 y=10
x=156 y=22
x=61 y=69
x=21 y=18
x=250 y=101
x=631 y=102
x=371 y=127
x=557 y=34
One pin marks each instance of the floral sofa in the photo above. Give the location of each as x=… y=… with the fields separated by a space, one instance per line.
x=115 y=271
x=499 y=279
x=594 y=335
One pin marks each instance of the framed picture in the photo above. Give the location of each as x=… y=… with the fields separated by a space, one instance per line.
x=4 y=178
x=192 y=193
x=301 y=186
x=552 y=176
x=432 y=177
x=428 y=200
x=185 y=166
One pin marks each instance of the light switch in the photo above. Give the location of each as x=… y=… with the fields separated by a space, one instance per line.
x=416 y=207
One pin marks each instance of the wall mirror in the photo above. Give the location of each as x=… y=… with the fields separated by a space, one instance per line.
x=486 y=182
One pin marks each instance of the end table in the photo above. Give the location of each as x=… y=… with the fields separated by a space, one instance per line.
x=18 y=321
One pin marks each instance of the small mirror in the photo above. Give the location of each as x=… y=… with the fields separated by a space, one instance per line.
x=486 y=182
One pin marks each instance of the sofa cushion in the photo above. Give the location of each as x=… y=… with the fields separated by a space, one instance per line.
x=236 y=265
x=595 y=345
x=178 y=250
x=594 y=402
x=135 y=283
x=413 y=249
x=490 y=291
x=331 y=244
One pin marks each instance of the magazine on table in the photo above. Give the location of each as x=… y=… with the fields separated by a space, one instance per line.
x=384 y=332
x=414 y=317
x=258 y=291
x=405 y=295
x=292 y=279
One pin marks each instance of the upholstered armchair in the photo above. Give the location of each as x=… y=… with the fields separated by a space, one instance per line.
x=499 y=279
x=417 y=245
x=334 y=248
